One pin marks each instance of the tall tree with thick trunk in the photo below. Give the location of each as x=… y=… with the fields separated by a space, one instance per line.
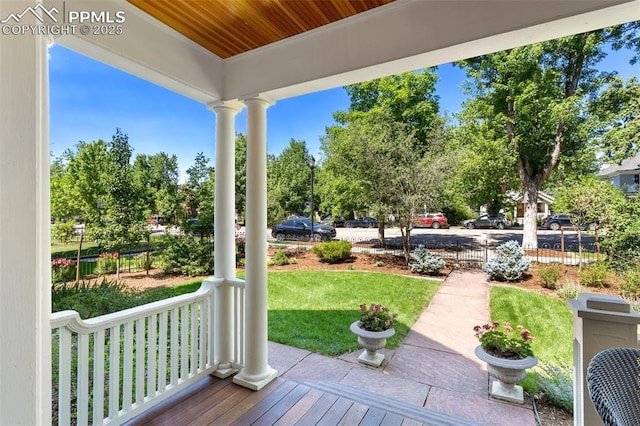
x=538 y=95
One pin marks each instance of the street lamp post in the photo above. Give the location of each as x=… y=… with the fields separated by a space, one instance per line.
x=312 y=165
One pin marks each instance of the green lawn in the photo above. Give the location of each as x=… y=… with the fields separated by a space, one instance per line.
x=551 y=323
x=313 y=309
x=549 y=319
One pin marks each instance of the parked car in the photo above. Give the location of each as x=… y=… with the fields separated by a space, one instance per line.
x=498 y=221
x=300 y=229
x=338 y=222
x=430 y=220
x=557 y=221
x=362 y=222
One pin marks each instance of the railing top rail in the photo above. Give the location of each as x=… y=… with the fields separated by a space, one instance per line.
x=72 y=320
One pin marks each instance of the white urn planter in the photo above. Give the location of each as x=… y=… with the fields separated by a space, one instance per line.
x=506 y=372
x=372 y=341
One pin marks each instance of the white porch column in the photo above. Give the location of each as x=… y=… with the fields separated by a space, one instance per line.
x=25 y=278
x=224 y=235
x=256 y=372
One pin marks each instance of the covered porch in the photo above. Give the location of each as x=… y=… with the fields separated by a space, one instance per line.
x=225 y=321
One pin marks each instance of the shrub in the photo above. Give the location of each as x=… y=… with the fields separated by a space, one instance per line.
x=550 y=275
x=93 y=299
x=187 y=256
x=107 y=263
x=508 y=264
x=569 y=291
x=595 y=275
x=62 y=231
x=556 y=381
x=62 y=271
x=425 y=262
x=630 y=285
x=333 y=251
x=279 y=259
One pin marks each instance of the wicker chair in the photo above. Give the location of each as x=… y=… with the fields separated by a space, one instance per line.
x=614 y=385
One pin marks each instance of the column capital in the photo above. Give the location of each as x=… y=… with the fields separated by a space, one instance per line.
x=232 y=105
x=259 y=99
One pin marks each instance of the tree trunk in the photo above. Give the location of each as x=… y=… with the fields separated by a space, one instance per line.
x=530 y=222
x=406 y=242
x=381 y=231
x=79 y=257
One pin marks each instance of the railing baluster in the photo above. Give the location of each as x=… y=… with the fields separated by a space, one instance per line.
x=127 y=376
x=162 y=357
x=114 y=371
x=202 y=347
x=184 y=345
x=175 y=345
x=83 y=379
x=152 y=371
x=98 y=377
x=140 y=365
x=64 y=378
x=193 y=359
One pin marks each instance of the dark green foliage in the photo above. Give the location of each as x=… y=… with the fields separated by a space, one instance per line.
x=187 y=255
x=550 y=275
x=280 y=258
x=93 y=299
x=62 y=231
x=333 y=251
x=595 y=275
x=630 y=285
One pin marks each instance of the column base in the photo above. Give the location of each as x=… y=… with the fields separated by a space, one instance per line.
x=255 y=383
x=223 y=373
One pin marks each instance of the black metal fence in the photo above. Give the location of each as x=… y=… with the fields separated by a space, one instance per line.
x=469 y=254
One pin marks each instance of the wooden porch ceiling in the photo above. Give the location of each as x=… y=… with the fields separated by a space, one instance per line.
x=230 y=27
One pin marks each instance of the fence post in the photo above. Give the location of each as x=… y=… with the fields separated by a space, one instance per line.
x=457 y=250
x=486 y=251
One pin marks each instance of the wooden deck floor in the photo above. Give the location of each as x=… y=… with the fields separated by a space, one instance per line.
x=283 y=402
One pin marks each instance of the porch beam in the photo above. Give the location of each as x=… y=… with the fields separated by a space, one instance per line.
x=25 y=277
x=256 y=372
x=224 y=234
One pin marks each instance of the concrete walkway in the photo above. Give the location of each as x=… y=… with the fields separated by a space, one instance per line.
x=434 y=367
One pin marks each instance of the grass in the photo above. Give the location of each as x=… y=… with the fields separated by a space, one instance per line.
x=313 y=309
x=549 y=319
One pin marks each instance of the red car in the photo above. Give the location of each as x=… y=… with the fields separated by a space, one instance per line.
x=430 y=220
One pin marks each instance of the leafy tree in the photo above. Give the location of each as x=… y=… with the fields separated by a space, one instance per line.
x=617 y=109
x=86 y=178
x=157 y=175
x=409 y=98
x=622 y=239
x=198 y=192
x=241 y=175
x=587 y=201
x=288 y=182
x=122 y=222
x=387 y=174
x=536 y=98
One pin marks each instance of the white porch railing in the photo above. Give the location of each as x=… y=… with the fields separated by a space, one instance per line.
x=111 y=368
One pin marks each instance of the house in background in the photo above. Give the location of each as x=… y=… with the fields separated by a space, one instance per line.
x=544 y=207
x=624 y=176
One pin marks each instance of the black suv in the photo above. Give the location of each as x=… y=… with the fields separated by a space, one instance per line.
x=300 y=229
x=557 y=221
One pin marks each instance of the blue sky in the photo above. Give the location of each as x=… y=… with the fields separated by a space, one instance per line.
x=90 y=99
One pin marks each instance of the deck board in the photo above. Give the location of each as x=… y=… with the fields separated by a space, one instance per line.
x=282 y=402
